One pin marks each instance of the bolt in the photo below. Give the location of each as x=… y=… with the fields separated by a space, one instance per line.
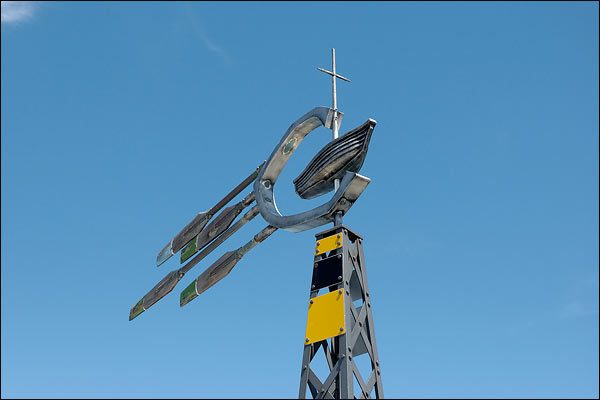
x=341 y=329
x=338 y=243
x=313 y=286
x=339 y=256
x=318 y=243
x=340 y=277
x=339 y=236
x=311 y=302
x=304 y=367
x=340 y=291
x=306 y=340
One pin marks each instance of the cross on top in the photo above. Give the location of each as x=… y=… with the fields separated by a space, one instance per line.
x=333 y=76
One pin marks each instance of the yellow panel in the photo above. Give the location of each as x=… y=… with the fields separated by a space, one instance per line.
x=325 y=317
x=329 y=243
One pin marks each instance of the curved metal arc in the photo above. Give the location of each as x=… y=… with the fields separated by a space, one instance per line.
x=351 y=186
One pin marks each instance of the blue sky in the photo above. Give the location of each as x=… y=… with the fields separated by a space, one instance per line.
x=120 y=121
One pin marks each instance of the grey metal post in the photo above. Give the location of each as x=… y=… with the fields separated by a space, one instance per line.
x=344 y=380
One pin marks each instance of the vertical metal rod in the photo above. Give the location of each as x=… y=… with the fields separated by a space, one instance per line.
x=337 y=220
x=334 y=126
x=334 y=95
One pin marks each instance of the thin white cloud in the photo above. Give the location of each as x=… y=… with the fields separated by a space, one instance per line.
x=16 y=11
x=197 y=28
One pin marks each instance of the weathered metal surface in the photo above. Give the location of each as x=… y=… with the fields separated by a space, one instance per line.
x=351 y=185
x=216 y=227
x=221 y=268
x=346 y=153
x=197 y=224
x=159 y=291
x=137 y=309
x=172 y=278
x=213 y=274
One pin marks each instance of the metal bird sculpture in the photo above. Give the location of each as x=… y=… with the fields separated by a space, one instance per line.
x=334 y=168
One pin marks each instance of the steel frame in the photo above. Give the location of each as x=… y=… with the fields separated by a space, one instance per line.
x=359 y=337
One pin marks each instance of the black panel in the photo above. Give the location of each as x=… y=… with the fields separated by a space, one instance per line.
x=327 y=272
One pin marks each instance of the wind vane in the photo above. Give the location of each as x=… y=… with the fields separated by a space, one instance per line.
x=340 y=321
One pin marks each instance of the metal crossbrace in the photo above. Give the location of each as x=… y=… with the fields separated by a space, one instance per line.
x=359 y=338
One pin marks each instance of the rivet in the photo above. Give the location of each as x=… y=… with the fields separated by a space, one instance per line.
x=338 y=243
x=304 y=367
x=306 y=340
x=314 y=286
x=318 y=243
x=339 y=256
x=340 y=277
x=339 y=236
x=311 y=302
x=341 y=329
x=340 y=291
